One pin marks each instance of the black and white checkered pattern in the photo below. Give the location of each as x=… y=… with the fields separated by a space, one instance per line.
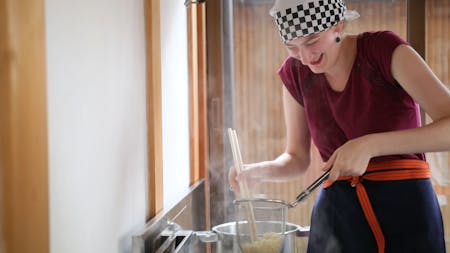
x=309 y=18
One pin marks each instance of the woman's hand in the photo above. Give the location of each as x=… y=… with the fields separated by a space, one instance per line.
x=251 y=174
x=284 y=168
x=234 y=184
x=350 y=159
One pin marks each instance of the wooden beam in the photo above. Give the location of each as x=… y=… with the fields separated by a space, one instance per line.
x=202 y=91
x=215 y=101
x=416 y=25
x=154 y=106
x=193 y=92
x=196 y=20
x=197 y=91
x=24 y=211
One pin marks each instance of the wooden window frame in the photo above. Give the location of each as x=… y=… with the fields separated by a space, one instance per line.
x=24 y=190
x=198 y=125
x=198 y=142
x=154 y=106
x=196 y=17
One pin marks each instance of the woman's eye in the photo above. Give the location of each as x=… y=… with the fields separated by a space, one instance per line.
x=311 y=42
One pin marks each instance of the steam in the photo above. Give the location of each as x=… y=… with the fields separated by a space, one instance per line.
x=325 y=238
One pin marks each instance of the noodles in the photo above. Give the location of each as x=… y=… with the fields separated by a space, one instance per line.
x=269 y=243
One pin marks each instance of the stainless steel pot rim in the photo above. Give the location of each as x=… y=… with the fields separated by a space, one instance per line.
x=290 y=227
x=275 y=201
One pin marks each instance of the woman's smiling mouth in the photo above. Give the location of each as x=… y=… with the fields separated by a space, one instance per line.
x=317 y=62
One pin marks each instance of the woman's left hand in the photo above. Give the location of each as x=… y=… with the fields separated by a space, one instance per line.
x=350 y=159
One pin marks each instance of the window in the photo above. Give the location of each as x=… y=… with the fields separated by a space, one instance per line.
x=177 y=100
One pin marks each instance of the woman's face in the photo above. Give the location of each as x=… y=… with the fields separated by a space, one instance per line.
x=317 y=51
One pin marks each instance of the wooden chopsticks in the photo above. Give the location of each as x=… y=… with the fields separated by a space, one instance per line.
x=245 y=193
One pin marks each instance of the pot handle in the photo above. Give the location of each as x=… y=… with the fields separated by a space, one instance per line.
x=303 y=232
x=207 y=236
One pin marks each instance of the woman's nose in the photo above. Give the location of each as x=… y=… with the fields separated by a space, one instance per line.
x=304 y=56
x=308 y=57
x=297 y=53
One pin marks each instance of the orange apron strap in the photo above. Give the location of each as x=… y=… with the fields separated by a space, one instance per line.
x=370 y=216
x=383 y=171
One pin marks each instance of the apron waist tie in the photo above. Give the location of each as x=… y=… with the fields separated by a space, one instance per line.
x=401 y=169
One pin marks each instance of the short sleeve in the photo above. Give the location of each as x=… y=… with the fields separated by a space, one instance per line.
x=380 y=47
x=289 y=74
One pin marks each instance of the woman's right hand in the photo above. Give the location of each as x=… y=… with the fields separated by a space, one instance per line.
x=284 y=168
x=234 y=184
x=252 y=174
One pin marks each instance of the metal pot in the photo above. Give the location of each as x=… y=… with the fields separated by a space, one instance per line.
x=226 y=239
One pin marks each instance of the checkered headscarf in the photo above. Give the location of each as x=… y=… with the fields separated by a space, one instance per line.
x=300 y=18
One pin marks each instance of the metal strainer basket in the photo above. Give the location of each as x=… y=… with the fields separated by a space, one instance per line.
x=260 y=225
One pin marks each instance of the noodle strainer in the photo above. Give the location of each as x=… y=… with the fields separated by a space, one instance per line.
x=260 y=223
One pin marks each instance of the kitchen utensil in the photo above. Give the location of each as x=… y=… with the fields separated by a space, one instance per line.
x=253 y=234
x=269 y=211
x=225 y=240
x=310 y=188
x=245 y=193
x=269 y=226
x=305 y=193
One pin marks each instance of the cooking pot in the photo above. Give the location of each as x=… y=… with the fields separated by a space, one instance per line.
x=226 y=237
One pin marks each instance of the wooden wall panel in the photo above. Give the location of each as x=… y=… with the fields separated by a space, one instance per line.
x=378 y=15
x=438 y=38
x=257 y=89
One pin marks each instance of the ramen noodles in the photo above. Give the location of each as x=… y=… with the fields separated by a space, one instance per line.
x=269 y=243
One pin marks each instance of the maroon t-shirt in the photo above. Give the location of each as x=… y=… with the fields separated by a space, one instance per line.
x=371 y=102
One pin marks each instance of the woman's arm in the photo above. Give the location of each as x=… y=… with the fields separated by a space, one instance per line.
x=296 y=158
x=414 y=75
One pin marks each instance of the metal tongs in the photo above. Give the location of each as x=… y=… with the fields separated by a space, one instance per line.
x=310 y=188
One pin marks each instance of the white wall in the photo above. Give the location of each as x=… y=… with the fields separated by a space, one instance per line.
x=174 y=79
x=97 y=124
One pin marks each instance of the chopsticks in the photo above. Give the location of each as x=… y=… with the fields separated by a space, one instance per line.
x=245 y=193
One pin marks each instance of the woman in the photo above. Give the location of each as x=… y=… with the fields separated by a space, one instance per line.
x=357 y=97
